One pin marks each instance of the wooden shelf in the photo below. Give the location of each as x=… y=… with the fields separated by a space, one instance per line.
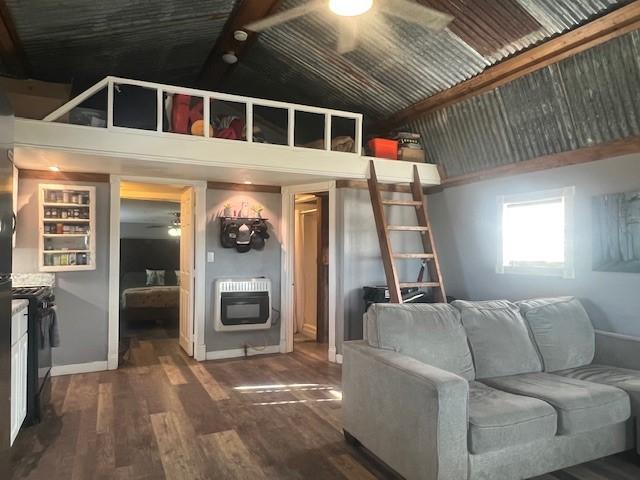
x=60 y=235
x=66 y=268
x=49 y=252
x=54 y=204
x=67 y=220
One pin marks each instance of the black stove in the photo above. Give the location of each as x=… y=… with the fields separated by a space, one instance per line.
x=41 y=318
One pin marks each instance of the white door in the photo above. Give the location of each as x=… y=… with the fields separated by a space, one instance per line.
x=186 y=270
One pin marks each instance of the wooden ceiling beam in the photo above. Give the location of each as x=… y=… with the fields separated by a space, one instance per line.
x=246 y=11
x=619 y=22
x=11 y=50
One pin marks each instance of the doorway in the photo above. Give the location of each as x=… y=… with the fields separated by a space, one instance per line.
x=155 y=241
x=156 y=264
x=311 y=269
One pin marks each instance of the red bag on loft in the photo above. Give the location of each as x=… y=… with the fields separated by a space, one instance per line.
x=183 y=115
x=180 y=113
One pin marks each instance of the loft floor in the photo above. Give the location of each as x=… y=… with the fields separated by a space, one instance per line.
x=165 y=416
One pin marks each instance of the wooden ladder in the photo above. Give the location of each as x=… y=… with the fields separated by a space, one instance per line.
x=428 y=255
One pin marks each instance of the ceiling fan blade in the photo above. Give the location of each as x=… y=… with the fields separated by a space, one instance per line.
x=347 y=35
x=415 y=13
x=285 y=16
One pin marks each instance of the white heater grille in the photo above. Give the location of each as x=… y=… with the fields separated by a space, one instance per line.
x=248 y=285
x=258 y=290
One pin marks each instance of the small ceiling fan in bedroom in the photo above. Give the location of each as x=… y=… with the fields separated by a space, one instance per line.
x=174 y=229
x=348 y=14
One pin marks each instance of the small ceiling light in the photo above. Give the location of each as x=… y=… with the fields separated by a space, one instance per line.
x=54 y=168
x=248 y=182
x=240 y=35
x=350 y=8
x=229 y=58
x=174 y=231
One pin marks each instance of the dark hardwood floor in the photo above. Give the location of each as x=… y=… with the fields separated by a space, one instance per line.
x=165 y=416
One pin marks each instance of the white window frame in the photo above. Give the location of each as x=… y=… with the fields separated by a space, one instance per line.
x=567 y=269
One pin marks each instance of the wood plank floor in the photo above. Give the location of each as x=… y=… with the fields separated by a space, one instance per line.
x=165 y=416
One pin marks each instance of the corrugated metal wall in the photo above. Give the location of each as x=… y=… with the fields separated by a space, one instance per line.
x=591 y=98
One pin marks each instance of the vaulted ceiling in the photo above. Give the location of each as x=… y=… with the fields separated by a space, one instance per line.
x=395 y=64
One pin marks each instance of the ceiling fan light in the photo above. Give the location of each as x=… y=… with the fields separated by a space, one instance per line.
x=350 y=8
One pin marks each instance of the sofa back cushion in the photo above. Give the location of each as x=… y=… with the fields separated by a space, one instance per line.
x=562 y=330
x=499 y=338
x=430 y=333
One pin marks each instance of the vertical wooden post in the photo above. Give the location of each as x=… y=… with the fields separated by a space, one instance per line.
x=327 y=131
x=159 y=109
x=291 y=131
x=110 y=103
x=206 y=116
x=249 y=122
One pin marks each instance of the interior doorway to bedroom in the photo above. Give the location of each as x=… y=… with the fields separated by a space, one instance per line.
x=156 y=266
x=311 y=271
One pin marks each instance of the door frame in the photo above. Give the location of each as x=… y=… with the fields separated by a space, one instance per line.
x=287 y=273
x=200 y=227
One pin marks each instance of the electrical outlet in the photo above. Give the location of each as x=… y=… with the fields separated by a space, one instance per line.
x=211 y=257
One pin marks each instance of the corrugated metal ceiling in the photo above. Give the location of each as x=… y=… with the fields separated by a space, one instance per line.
x=588 y=99
x=396 y=63
x=146 y=39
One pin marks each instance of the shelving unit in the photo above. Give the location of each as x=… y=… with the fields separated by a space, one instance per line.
x=66 y=228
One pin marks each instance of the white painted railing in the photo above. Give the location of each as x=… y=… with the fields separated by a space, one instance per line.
x=110 y=82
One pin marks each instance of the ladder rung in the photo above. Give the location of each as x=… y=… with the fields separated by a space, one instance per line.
x=413 y=255
x=419 y=284
x=408 y=228
x=404 y=203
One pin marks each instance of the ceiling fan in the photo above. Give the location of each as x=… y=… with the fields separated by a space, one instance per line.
x=349 y=11
x=173 y=227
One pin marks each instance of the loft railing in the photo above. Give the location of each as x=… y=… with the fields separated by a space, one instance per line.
x=161 y=89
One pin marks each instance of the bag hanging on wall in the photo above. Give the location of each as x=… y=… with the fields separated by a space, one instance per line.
x=229 y=235
x=243 y=241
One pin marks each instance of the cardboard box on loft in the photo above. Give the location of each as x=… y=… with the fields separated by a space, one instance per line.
x=411 y=154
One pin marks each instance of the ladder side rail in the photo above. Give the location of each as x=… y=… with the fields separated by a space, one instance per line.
x=435 y=274
x=386 y=252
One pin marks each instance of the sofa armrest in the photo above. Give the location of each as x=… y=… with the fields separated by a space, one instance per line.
x=411 y=415
x=617 y=350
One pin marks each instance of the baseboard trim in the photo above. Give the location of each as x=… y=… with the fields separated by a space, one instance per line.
x=239 y=352
x=112 y=362
x=72 y=369
x=200 y=353
x=332 y=355
x=339 y=358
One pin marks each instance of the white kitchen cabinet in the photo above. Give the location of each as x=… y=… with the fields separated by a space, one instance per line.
x=19 y=349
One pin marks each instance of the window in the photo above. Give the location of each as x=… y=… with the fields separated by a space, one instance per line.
x=535 y=233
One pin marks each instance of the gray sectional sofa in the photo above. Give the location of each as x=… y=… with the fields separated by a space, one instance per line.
x=489 y=390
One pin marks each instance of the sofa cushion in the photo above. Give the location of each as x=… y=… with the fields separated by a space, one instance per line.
x=562 y=330
x=499 y=338
x=498 y=419
x=430 y=333
x=623 y=378
x=580 y=405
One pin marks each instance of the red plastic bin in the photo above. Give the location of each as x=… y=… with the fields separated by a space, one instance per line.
x=384 y=148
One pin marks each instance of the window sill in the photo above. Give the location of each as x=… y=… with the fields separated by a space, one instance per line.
x=562 y=272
